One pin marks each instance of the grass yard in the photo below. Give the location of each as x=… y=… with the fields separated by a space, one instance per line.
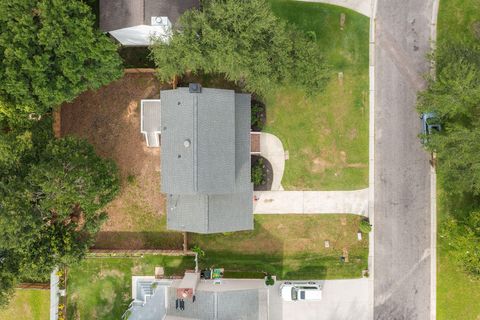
x=28 y=304
x=100 y=288
x=289 y=246
x=326 y=135
x=457 y=294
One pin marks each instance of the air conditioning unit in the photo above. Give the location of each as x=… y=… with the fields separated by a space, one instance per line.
x=161 y=22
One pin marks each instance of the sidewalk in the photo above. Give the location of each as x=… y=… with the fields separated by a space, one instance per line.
x=311 y=202
x=361 y=6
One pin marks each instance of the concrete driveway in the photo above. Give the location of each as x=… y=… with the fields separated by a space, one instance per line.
x=341 y=300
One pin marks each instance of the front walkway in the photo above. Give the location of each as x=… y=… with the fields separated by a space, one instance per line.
x=271 y=148
x=311 y=202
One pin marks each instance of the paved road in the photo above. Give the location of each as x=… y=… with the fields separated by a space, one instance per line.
x=402 y=172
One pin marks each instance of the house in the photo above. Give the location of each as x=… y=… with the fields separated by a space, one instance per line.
x=231 y=299
x=135 y=22
x=205 y=166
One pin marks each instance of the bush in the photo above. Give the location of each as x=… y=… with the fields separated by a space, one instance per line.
x=269 y=280
x=365 y=226
x=258 y=173
x=257 y=121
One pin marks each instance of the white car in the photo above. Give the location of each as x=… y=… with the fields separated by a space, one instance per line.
x=301 y=291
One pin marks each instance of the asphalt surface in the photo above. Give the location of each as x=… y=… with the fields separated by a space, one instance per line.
x=402 y=170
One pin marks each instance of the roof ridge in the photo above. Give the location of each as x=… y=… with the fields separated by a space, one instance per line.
x=195 y=142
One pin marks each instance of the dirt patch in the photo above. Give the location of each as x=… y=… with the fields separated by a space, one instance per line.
x=353 y=134
x=109 y=118
x=319 y=165
x=110 y=273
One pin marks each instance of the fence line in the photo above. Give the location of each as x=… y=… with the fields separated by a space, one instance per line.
x=98 y=253
x=139 y=70
x=34 y=285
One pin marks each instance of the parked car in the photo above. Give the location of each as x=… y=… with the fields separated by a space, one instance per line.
x=298 y=291
x=430 y=123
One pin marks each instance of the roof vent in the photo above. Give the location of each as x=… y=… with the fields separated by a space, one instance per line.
x=186 y=143
x=194 y=88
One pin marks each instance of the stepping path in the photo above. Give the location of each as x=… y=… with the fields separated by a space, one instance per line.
x=311 y=202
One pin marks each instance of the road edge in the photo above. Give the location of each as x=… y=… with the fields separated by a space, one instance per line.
x=433 y=185
x=371 y=160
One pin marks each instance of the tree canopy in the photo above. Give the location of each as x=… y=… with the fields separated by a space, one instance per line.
x=51 y=201
x=49 y=53
x=455 y=98
x=244 y=41
x=454 y=95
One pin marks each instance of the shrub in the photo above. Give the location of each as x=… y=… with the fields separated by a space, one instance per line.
x=258 y=173
x=257 y=121
x=269 y=280
x=365 y=226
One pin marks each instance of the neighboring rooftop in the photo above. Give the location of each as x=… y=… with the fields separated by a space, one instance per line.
x=233 y=299
x=119 y=14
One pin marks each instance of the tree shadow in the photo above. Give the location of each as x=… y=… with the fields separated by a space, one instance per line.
x=117 y=240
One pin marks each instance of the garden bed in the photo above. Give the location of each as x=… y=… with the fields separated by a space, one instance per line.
x=262 y=173
x=259 y=115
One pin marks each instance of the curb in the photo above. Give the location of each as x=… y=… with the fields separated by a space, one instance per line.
x=371 y=161
x=433 y=186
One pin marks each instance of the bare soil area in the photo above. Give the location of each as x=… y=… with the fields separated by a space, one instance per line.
x=109 y=118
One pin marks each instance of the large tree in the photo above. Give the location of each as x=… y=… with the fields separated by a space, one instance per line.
x=454 y=95
x=244 y=41
x=49 y=53
x=51 y=206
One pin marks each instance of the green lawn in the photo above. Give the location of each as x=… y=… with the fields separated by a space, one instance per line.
x=100 y=288
x=326 y=135
x=458 y=296
x=289 y=246
x=28 y=304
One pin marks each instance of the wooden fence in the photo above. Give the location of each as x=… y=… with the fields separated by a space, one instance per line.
x=99 y=253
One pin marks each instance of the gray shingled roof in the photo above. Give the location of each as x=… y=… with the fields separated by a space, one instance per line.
x=198 y=149
x=202 y=308
x=118 y=14
x=154 y=309
x=238 y=305
x=222 y=305
x=206 y=160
